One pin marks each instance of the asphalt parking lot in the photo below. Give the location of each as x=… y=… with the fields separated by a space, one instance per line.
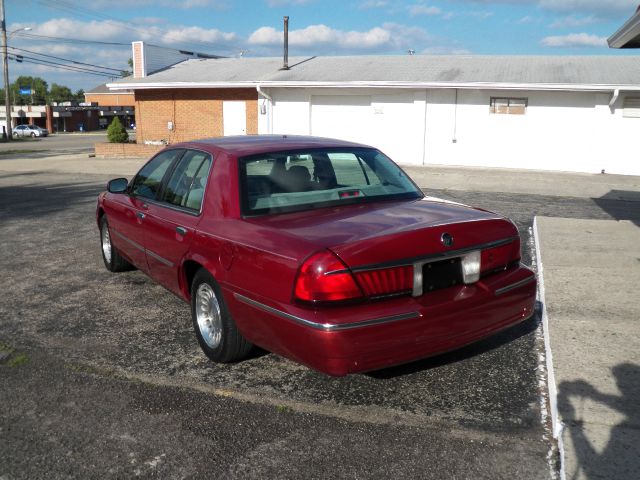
x=104 y=376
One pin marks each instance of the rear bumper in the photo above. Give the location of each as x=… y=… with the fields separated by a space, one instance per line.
x=343 y=340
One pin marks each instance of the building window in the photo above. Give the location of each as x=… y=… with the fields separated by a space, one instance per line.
x=508 y=106
x=631 y=107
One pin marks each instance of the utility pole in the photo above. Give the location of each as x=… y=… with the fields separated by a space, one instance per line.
x=5 y=64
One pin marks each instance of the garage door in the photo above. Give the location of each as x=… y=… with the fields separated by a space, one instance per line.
x=347 y=117
x=389 y=122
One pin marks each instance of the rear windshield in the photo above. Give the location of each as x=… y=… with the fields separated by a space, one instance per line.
x=307 y=179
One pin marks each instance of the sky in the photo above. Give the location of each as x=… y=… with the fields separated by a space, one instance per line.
x=253 y=28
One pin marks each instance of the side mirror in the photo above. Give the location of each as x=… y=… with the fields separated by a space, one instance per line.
x=118 y=185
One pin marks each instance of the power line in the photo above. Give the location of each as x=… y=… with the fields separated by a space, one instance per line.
x=78 y=11
x=119 y=70
x=33 y=36
x=61 y=66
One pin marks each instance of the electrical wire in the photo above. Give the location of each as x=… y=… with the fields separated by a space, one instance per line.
x=61 y=66
x=33 y=36
x=119 y=70
x=78 y=11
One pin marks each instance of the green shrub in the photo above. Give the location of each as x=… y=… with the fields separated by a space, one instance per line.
x=116 y=132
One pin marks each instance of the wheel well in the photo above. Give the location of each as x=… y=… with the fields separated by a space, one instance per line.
x=189 y=270
x=100 y=215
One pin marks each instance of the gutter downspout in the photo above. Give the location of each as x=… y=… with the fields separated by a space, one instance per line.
x=270 y=112
x=614 y=97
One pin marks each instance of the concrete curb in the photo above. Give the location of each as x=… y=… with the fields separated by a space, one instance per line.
x=556 y=424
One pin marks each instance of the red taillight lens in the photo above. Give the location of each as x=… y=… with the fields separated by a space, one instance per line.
x=499 y=257
x=324 y=278
x=386 y=281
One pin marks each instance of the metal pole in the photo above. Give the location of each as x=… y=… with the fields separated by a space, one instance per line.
x=5 y=64
x=286 y=44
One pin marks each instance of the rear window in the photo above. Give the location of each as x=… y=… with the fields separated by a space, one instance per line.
x=307 y=179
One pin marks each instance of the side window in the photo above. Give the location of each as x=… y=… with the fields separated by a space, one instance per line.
x=352 y=171
x=186 y=184
x=148 y=181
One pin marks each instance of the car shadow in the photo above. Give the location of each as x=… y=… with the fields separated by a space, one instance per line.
x=621 y=205
x=490 y=343
x=36 y=200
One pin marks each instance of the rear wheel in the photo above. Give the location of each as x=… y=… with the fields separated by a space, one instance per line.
x=216 y=331
x=110 y=255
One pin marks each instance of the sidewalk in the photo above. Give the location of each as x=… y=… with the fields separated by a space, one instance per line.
x=534 y=182
x=591 y=274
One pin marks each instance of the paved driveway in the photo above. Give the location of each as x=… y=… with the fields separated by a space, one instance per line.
x=105 y=377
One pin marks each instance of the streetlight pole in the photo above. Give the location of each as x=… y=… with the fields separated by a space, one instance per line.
x=5 y=64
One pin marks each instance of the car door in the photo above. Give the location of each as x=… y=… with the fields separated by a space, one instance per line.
x=171 y=222
x=127 y=213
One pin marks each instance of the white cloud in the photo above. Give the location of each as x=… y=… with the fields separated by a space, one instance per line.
x=184 y=4
x=322 y=35
x=415 y=10
x=369 y=4
x=285 y=3
x=573 y=21
x=575 y=40
x=607 y=8
x=322 y=39
x=526 y=20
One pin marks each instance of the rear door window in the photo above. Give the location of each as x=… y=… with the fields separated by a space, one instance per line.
x=186 y=184
x=148 y=181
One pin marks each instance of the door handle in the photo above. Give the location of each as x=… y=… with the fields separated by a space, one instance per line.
x=181 y=231
x=140 y=215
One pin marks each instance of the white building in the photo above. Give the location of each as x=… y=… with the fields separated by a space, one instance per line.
x=578 y=114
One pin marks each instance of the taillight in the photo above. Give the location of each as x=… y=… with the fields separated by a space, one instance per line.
x=500 y=257
x=386 y=281
x=324 y=278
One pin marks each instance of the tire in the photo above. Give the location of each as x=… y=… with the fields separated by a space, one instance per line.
x=111 y=257
x=33 y=135
x=215 y=330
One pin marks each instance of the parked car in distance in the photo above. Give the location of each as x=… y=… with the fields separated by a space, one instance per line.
x=30 y=131
x=320 y=250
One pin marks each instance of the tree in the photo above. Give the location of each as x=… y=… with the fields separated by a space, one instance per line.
x=127 y=73
x=60 y=93
x=36 y=85
x=116 y=132
x=79 y=95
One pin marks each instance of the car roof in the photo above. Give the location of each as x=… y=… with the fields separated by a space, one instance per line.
x=243 y=145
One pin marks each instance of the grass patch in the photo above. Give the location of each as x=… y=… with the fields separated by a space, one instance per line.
x=283 y=409
x=18 y=360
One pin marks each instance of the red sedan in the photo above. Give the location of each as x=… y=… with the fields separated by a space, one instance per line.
x=320 y=250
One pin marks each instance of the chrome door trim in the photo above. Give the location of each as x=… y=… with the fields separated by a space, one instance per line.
x=145 y=250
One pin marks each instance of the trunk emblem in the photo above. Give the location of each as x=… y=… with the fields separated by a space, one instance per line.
x=446 y=239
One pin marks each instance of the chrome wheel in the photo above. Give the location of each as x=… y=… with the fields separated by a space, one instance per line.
x=106 y=243
x=208 y=315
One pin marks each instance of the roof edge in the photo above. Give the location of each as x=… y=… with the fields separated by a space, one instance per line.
x=628 y=33
x=382 y=84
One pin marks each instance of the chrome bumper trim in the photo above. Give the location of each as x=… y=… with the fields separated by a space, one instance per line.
x=513 y=286
x=327 y=327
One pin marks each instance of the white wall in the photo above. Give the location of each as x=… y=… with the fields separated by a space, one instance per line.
x=570 y=131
